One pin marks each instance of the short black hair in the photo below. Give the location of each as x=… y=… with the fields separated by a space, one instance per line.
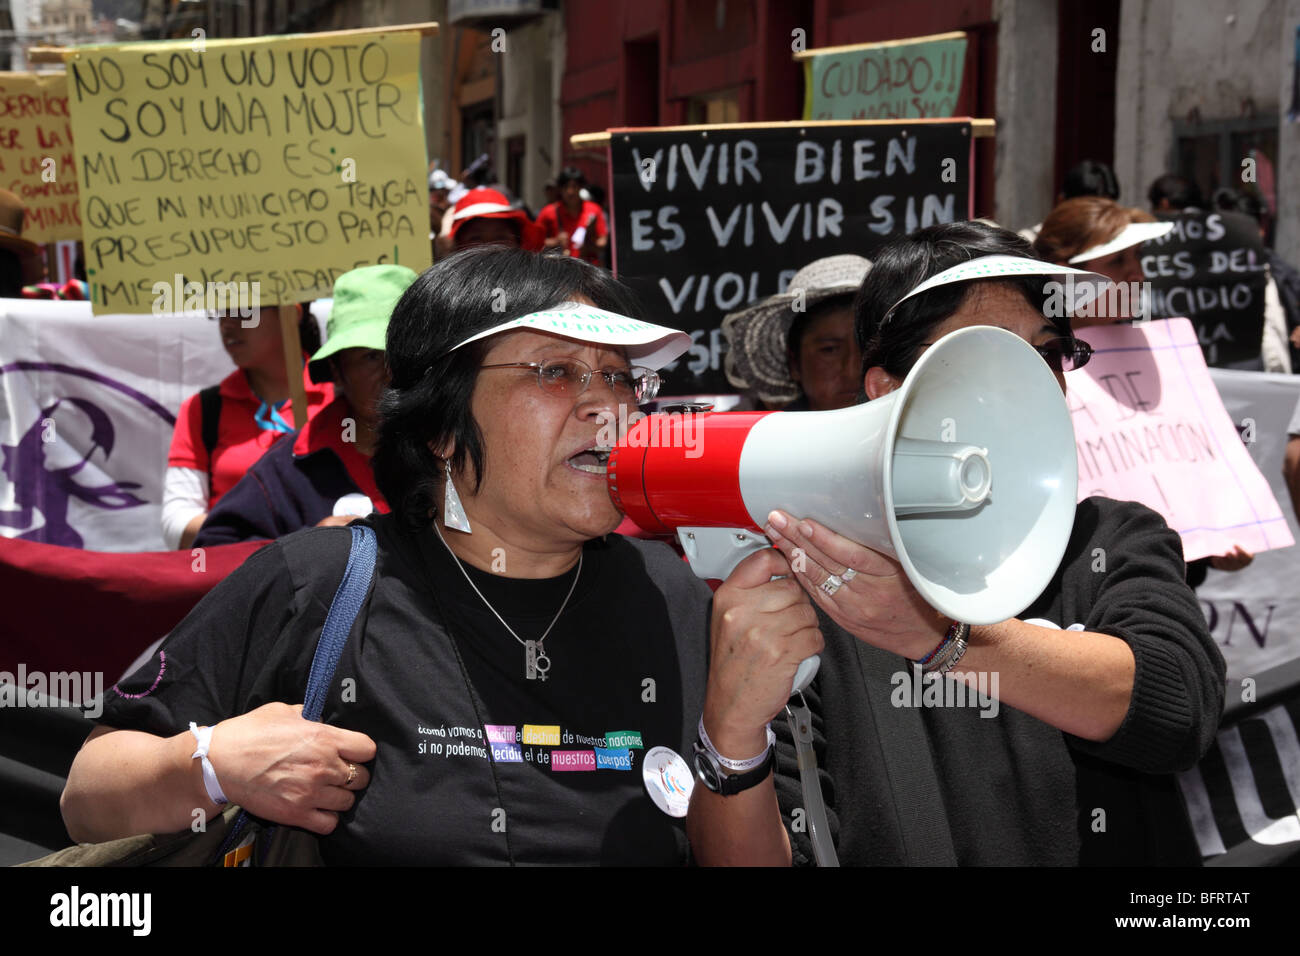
x=1090 y=178
x=1228 y=199
x=570 y=174
x=1179 y=190
x=308 y=330
x=11 y=275
x=430 y=387
x=903 y=264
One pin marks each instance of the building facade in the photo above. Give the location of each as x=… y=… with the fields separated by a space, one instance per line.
x=1150 y=86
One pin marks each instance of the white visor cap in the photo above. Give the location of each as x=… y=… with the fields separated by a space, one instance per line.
x=993 y=267
x=653 y=346
x=1135 y=233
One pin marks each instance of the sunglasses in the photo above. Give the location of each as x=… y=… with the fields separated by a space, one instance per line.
x=1065 y=354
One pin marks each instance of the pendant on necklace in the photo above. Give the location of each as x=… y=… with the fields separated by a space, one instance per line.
x=536 y=663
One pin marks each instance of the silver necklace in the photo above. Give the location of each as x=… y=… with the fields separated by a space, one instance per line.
x=536 y=663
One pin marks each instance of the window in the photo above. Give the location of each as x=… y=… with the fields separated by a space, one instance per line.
x=719 y=107
x=478 y=123
x=1211 y=154
x=515 y=150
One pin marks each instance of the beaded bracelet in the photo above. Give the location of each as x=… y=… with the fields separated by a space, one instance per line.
x=956 y=647
x=947 y=639
x=947 y=653
x=959 y=648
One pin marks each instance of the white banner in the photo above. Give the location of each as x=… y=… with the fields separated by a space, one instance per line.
x=1254 y=614
x=87 y=407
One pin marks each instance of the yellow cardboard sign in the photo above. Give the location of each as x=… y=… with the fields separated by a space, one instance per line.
x=36 y=157
x=281 y=161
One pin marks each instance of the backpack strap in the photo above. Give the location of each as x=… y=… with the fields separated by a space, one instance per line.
x=349 y=597
x=210 y=419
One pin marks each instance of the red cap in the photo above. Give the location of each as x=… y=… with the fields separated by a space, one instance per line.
x=485 y=203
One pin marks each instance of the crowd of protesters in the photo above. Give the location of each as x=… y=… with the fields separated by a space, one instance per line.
x=406 y=435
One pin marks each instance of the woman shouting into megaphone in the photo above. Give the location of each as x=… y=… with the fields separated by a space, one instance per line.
x=1048 y=739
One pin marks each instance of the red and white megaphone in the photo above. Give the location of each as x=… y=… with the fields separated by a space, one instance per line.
x=966 y=475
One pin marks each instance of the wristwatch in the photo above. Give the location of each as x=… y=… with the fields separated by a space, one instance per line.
x=726 y=782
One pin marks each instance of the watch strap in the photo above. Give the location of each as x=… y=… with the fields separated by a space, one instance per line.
x=729 y=784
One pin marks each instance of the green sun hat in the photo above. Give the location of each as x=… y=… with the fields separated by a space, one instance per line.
x=363 y=302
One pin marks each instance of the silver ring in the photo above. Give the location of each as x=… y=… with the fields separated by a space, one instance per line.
x=831 y=585
x=848 y=575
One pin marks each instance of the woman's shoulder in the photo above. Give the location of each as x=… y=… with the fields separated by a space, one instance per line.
x=665 y=566
x=315 y=558
x=1108 y=516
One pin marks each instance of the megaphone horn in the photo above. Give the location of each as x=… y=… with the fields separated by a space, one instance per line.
x=966 y=475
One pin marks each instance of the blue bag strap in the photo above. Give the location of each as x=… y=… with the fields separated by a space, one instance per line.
x=349 y=597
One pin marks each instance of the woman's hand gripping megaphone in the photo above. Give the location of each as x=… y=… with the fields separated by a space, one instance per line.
x=875 y=601
x=763 y=626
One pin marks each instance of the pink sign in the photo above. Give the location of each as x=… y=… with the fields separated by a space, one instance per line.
x=1149 y=426
x=573 y=760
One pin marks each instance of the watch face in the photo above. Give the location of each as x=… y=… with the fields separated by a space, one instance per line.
x=708 y=774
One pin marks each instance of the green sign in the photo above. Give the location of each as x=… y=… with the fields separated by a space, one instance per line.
x=911 y=79
x=624 y=739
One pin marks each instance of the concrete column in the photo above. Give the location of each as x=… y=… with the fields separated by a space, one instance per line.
x=1287 y=238
x=529 y=95
x=380 y=12
x=1141 y=126
x=1026 y=110
x=1217 y=59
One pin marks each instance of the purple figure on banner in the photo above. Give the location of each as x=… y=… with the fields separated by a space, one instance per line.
x=37 y=488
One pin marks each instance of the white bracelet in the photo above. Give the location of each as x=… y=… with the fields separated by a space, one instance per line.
x=737 y=766
x=204 y=736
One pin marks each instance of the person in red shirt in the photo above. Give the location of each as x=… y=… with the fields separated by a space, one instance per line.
x=575 y=224
x=322 y=475
x=243 y=415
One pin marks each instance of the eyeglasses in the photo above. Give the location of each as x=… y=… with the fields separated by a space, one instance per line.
x=570 y=377
x=1065 y=354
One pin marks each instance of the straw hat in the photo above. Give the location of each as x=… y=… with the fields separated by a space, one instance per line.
x=11 y=225
x=757 y=336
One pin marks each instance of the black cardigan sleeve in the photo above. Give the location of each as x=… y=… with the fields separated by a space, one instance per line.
x=1134 y=572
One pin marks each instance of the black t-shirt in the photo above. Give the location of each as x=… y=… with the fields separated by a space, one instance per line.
x=518 y=770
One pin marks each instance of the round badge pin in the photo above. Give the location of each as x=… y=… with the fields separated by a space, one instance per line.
x=353 y=503
x=668 y=780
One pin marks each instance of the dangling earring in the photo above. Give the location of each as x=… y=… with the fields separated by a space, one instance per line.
x=453 y=512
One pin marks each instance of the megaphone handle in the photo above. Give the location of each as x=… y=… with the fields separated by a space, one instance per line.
x=808 y=668
x=715 y=552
